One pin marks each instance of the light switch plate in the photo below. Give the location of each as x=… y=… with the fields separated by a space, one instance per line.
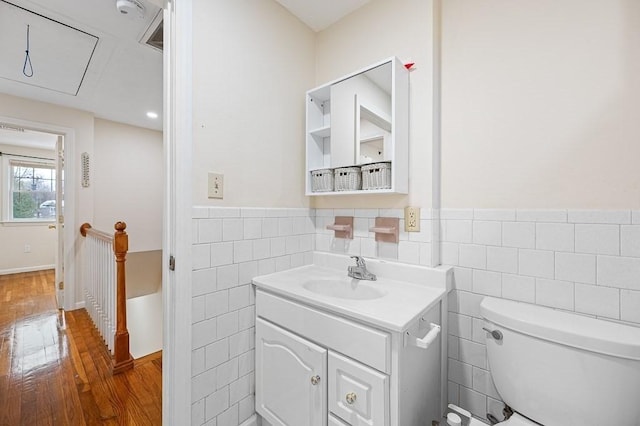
x=216 y=185
x=412 y=219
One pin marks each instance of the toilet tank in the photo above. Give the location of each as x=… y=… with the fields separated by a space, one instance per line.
x=563 y=369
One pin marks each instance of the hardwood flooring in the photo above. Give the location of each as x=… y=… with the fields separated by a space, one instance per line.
x=55 y=369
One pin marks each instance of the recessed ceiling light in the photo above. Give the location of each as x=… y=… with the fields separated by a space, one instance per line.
x=152 y=114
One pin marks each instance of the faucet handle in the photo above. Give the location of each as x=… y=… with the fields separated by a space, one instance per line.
x=359 y=260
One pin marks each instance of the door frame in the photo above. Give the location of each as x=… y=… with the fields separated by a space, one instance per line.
x=59 y=227
x=176 y=241
x=71 y=275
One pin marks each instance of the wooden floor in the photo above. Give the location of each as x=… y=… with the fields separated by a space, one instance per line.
x=55 y=370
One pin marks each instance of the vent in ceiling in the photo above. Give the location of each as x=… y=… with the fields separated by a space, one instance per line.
x=154 y=34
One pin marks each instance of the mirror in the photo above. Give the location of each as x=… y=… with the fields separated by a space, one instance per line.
x=361 y=118
x=356 y=120
x=373 y=136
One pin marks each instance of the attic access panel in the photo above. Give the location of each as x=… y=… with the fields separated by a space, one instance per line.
x=60 y=54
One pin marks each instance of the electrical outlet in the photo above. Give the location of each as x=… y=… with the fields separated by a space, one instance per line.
x=216 y=185
x=27 y=248
x=412 y=219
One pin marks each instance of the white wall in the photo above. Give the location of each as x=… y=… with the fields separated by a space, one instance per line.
x=253 y=62
x=377 y=31
x=15 y=236
x=128 y=182
x=540 y=104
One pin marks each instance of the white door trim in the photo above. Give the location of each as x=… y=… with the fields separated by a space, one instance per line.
x=59 y=274
x=176 y=362
x=71 y=227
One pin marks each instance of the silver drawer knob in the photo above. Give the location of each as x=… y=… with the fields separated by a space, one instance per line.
x=351 y=398
x=315 y=380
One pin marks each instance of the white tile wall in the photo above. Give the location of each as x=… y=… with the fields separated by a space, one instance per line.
x=473 y=256
x=555 y=236
x=536 y=263
x=577 y=260
x=502 y=259
x=413 y=247
x=550 y=216
x=630 y=240
x=621 y=272
x=230 y=247
x=519 y=234
x=487 y=233
x=555 y=293
x=616 y=217
x=576 y=267
x=598 y=239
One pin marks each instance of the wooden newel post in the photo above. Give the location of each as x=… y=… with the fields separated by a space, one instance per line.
x=84 y=228
x=122 y=358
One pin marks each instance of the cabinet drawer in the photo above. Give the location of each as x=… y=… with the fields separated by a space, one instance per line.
x=357 y=341
x=335 y=421
x=357 y=394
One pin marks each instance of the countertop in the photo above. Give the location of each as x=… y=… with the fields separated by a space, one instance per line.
x=403 y=303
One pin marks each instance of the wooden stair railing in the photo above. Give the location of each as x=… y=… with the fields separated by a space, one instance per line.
x=122 y=359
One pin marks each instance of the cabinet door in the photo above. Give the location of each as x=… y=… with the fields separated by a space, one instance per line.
x=334 y=421
x=359 y=395
x=291 y=385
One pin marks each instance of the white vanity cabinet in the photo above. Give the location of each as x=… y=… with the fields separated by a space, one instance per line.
x=316 y=367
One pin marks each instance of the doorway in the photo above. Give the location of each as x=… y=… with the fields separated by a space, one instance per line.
x=35 y=203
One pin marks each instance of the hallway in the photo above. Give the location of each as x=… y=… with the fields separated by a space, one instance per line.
x=55 y=370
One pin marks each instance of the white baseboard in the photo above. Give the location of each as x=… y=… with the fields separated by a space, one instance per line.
x=251 y=421
x=80 y=305
x=26 y=269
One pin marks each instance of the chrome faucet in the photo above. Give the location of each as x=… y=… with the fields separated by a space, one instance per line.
x=359 y=271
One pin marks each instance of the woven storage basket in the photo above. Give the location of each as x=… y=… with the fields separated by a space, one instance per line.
x=376 y=176
x=348 y=178
x=322 y=180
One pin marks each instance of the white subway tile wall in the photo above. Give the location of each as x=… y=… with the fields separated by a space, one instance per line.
x=585 y=261
x=413 y=247
x=230 y=247
x=576 y=260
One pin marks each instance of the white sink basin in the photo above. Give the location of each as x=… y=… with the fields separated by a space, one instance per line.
x=400 y=295
x=344 y=289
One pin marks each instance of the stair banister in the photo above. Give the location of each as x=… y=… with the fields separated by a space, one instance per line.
x=122 y=359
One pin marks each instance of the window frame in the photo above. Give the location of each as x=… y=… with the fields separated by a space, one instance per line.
x=8 y=163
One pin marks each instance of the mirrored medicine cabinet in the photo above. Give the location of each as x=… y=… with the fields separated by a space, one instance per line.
x=358 y=120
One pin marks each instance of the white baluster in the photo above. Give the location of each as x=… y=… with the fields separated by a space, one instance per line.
x=101 y=287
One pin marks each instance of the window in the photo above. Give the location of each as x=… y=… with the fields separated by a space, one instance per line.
x=32 y=192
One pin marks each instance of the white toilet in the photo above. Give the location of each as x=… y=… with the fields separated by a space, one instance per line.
x=561 y=369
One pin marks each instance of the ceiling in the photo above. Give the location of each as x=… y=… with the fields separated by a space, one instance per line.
x=319 y=15
x=94 y=61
